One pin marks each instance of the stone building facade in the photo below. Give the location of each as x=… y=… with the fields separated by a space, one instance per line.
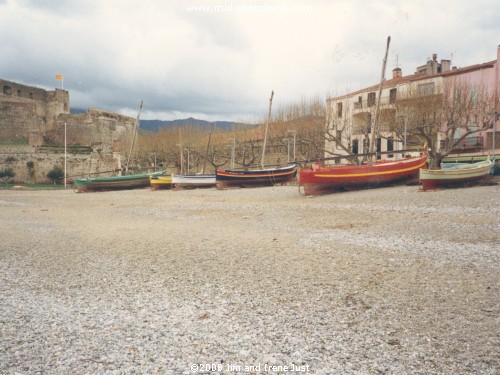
x=35 y=125
x=26 y=109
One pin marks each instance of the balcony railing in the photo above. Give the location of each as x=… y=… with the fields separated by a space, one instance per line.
x=470 y=144
x=386 y=100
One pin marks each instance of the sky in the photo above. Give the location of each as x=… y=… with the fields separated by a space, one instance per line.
x=220 y=59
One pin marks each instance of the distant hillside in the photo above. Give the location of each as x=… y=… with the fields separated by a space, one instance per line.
x=156 y=125
x=77 y=111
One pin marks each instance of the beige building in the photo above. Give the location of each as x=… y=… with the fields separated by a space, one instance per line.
x=350 y=117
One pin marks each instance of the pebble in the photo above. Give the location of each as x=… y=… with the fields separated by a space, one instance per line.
x=388 y=280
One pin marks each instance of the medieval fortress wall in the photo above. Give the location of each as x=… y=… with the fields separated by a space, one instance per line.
x=34 y=123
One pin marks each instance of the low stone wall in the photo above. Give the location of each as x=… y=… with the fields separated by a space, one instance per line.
x=31 y=164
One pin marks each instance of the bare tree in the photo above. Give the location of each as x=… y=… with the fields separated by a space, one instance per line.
x=248 y=153
x=444 y=118
x=218 y=156
x=304 y=119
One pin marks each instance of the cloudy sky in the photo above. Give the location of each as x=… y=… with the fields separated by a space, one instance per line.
x=220 y=59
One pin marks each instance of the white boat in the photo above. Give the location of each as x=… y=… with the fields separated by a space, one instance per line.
x=193 y=181
x=453 y=175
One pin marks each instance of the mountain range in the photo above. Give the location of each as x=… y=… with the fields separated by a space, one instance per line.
x=157 y=125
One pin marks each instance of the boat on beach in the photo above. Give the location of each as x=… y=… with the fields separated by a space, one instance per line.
x=322 y=179
x=121 y=182
x=326 y=179
x=454 y=174
x=269 y=176
x=257 y=177
x=193 y=181
x=133 y=181
x=160 y=182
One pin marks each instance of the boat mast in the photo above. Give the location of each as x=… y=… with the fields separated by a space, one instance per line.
x=208 y=148
x=265 y=133
x=377 y=112
x=133 y=136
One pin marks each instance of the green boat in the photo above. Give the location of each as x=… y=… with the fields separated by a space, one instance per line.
x=133 y=181
x=474 y=159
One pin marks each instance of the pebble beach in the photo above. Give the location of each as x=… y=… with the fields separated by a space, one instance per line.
x=250 y=281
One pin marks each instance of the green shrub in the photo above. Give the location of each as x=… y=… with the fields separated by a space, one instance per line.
x=55 y=174
x=9 y=173
x=31 y=168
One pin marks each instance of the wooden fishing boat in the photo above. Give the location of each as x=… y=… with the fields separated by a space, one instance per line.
x=454 y=174
x=160 y=182
x=133 y=181
x=320 y=180
x=258 y=177
x=323 y=179
x=193 y=181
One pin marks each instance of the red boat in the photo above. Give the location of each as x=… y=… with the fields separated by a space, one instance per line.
x=252 y=178
x=321 y=180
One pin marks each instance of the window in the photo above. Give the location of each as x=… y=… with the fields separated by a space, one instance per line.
x=392 y=96
x=7 y=90
x=426 y=89
x=474 y=97
x=390 y=146
x=339 y=110
x=355 y=145
x=359 y=103
x=371 y=99
x=19 y=93
x=366 y=145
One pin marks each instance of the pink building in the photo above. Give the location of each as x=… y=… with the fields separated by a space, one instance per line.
x=486 y=75
x=350 y=116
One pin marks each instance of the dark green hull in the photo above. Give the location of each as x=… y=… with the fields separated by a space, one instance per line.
x=133 y=181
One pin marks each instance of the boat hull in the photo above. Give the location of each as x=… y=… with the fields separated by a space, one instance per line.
x=323 y=180
x=114 y=182
x=453 y=176
x=253 y=178
x=160 y=182
x=193 y=181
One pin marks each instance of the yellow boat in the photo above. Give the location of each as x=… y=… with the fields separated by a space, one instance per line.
x=160 y=182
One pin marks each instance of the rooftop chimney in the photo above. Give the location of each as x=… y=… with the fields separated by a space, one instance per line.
x=397 y=73
x=445 y=65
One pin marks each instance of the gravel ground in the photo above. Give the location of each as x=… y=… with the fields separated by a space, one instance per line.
x=263 y=280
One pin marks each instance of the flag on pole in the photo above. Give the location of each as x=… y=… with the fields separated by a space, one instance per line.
x=60 y=77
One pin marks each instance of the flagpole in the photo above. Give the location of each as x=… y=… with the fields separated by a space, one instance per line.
x=60 y=77
x=65 y=155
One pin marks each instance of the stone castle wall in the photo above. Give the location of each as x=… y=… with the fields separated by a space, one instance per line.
x=34 y=124
x=31 y=164
x=26 y=109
